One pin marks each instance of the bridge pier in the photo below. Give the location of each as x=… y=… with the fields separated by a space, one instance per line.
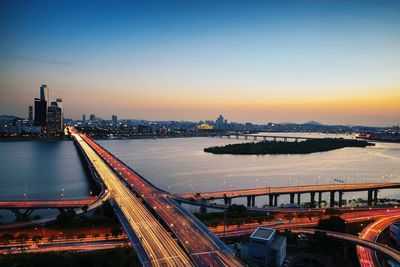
x=248 y=201
x=228 y=201
x=285 y=139
x=237 y=136
x=340 y=198
x=291 y=198
x=253 y=201
x=332 y=199
x=298 y=198
x=245 y=137
x=276 y=200
x=203 y=210
x=21 y=216
x=296 y=140
x=319 y=199
x=274 y=139
x=264 y=138
x=312 y=199
x=370 y=197
x=255 y=137
x=375 y=197
x=271 y=200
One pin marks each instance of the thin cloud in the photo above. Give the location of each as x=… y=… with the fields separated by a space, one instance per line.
x=37 y=60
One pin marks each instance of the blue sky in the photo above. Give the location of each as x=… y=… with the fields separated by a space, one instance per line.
x=332 y=61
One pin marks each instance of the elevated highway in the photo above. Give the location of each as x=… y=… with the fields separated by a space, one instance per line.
x=366 y=256
x=136 y=197
x=390 y=253
x=44 y=204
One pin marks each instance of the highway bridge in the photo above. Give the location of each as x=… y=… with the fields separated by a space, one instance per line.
x=366 y=256
x=44 y=204
x=269 y=137
x=162 y=231
x=275 y=192
x=389 y=252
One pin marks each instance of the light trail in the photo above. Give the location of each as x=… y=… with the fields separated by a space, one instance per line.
x=159 y=245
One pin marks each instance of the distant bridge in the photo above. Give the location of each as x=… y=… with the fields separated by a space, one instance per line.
x=275 y=192
x=270 y=137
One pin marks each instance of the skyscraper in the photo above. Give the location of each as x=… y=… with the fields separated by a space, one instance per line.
x=83 y=118
x=40 y=112
x=55 y=119
x=44 y=93
x=92 y=117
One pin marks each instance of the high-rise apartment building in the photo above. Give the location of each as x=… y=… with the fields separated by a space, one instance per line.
x=30 y=113
x=92 y=117
x=55 y=118
x=83 y=118
x=114 y=119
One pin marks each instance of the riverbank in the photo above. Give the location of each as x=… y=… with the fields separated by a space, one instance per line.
x=279 y=147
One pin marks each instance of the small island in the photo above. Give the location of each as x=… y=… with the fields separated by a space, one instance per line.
x=278 y=147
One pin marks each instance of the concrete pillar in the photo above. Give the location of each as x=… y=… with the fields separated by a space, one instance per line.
x=332 y=200
x=340 y=198
x=271 y=200
x=369 y=197
x=245 y=137
x=253 y=202
x=319 y=199
x=255 y=137
x=248 y=201
x=298 y=198
x=237 y=136
x=292 y=198
x=296 y=140
x=265 y=138
x=203 y=210
x=276 y=200
x=375 y=197
x=285 y=139
x=274 y=139
x=312 y=199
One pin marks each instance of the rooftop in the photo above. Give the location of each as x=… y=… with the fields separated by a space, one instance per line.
x=263 y=233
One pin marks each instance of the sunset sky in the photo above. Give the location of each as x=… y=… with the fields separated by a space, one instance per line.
x=259 y=61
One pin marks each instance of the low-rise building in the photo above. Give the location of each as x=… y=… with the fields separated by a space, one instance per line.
x=266 y=248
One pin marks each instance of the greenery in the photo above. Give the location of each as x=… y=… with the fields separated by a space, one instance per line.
x=119 y=257
x=235 y=215
x=334 y=223
x=273 y=147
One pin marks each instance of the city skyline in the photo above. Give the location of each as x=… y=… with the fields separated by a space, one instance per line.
x=334 y=63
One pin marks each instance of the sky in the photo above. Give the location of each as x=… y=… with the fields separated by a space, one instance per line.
x=336 y=62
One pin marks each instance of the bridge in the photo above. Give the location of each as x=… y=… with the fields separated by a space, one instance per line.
x=366 y=256
x=45 y=204
x=275 y=192
x=389 y=252
x=162 y=231
x=269 y=137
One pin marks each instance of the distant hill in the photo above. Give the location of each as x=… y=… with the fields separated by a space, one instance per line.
x=313 y=123
x=7 y=118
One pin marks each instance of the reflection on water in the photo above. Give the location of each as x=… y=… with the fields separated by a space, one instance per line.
x=42 y=170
